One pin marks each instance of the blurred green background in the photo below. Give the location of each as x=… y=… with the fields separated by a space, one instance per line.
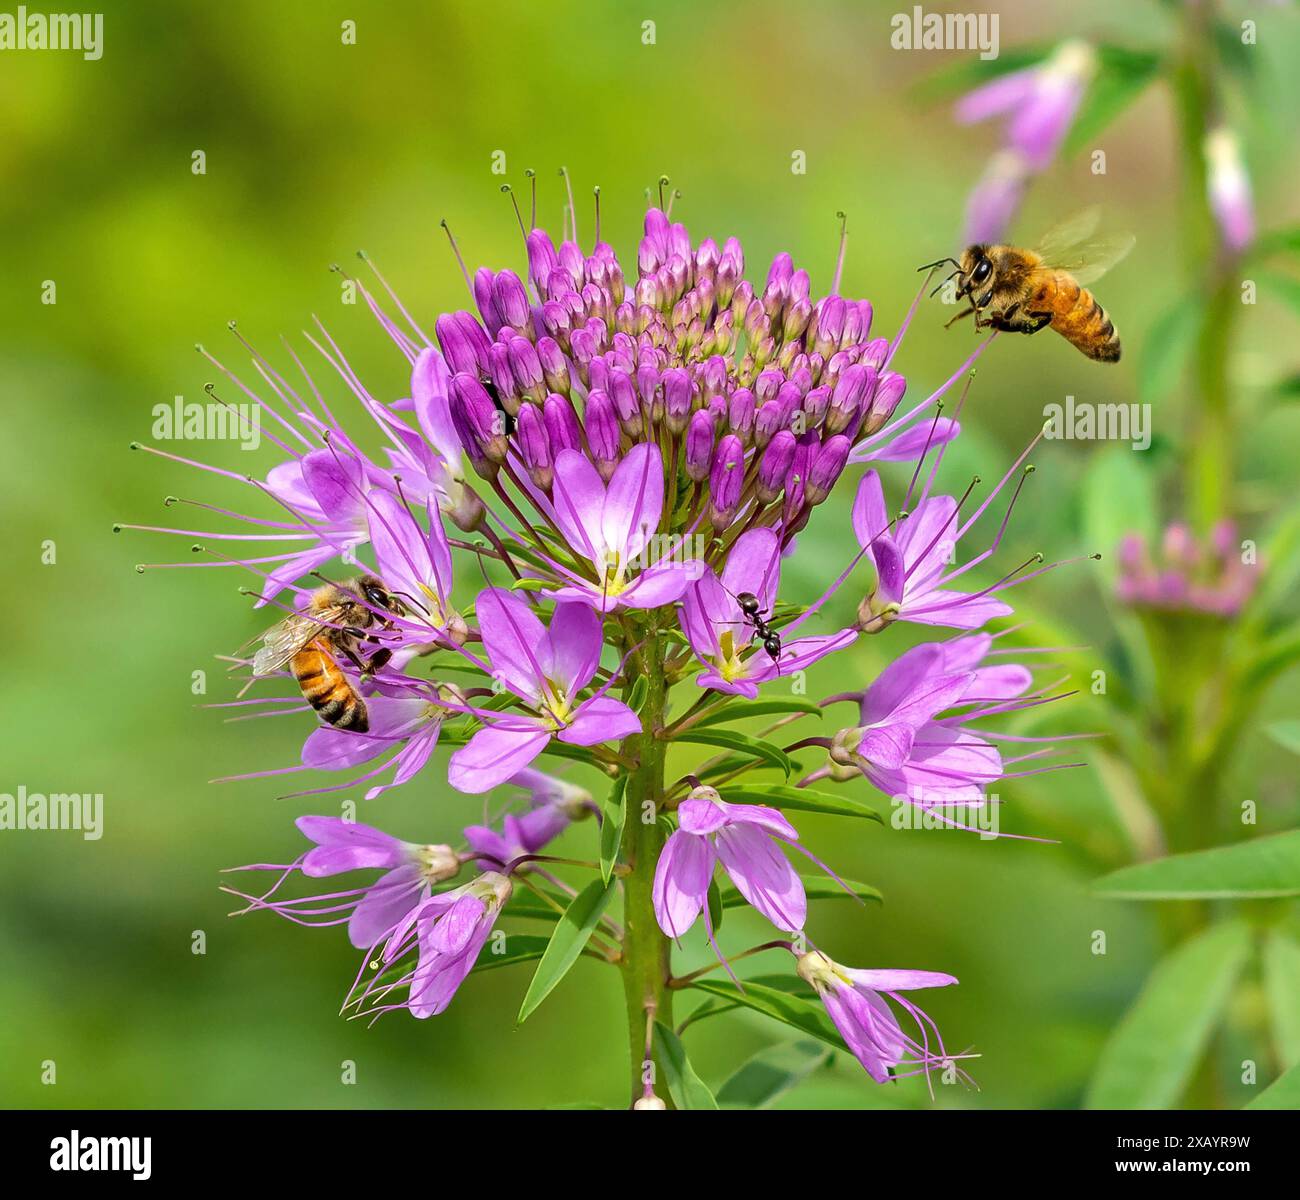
x=315 y=148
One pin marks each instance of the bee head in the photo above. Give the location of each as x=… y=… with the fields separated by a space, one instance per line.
x=976 y=269
x=374 y=592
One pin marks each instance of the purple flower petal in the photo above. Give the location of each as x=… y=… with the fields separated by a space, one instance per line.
x=492 y=756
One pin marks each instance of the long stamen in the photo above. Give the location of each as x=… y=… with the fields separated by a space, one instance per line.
x=573 y=208
x=839 y=261
x=460 y=262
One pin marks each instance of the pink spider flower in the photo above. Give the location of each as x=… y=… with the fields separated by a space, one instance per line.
x=721 y=635
x=612 y=527
x=915 y=557
x=555 y=805
x=1039 y=104
x=746 y=840
x=408 y=723
x=905 y=745
x=415 y=565
x=855 y=1002
x=371 y=912
x=904 y=751
x=546 y=669
x=447 y=931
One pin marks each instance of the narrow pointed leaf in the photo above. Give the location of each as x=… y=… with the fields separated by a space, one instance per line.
x=1282 y=988
x=567 y=942
x=742 y=743
x=716 y=905
x=1154 y=1050
x=1267 y=866
x=807 y=1016
x=1284 y=1092
x=611 y=827
x=684 y=1085
x=771 y=1072
x=739 y=710
x=801 y=800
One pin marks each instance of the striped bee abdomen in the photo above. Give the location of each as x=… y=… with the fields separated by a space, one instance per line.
x=1083 y=322
x=327 y=690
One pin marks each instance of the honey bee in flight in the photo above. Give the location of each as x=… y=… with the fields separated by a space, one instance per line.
x=333 y=625
x=1022 y=291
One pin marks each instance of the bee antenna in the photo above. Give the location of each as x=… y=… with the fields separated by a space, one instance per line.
x=938 y=262
x=944 y=282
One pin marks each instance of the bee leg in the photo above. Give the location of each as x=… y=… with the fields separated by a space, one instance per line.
x=351 y=656
x=965 y=313
x=378 y=660
x=1033 y=322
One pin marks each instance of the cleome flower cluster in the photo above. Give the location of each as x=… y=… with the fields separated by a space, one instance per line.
x=579 y=517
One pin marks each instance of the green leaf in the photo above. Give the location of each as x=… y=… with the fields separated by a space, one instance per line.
x=1278 y=241
x=1284 y=287
x=1168 y=346
x=716 y=905
x=526 y=904
x=1284 y=1092
x=801 y=800
x=567 y=942
x=1122 y=76
x=817 y=887
x=1282 y=989
x=530 y=585
x=771 y=1072
x=640 y=690
x=614 y=817
x=739 y=710
x=519 y=947
x=1153 y=1051
x=807 y=1016
x=1286 y=734
x=1267 y=866
x=684 y=1085
x=742 y=743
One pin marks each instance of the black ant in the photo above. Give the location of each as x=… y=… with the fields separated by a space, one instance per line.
x=771 y=638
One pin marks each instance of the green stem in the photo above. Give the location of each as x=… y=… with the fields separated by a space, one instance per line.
x=647 y=952
x=1210 y=465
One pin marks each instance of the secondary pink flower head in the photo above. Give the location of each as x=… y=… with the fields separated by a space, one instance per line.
x=1039 y=104
x=1229 y=190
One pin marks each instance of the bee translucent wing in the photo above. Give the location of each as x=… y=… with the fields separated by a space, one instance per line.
x=1062 y=239
x=1074 y=246
x=1090 y=261
x=281 y=642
